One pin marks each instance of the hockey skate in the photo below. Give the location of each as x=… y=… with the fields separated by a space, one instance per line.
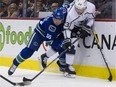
x=12 y=69
x=61 y=67
x=69 y=71
x=43 y=61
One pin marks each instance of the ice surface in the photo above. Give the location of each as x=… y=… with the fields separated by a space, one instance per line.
x=52 y=80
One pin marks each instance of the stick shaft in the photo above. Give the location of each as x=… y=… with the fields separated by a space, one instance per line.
x=7 y=80
x=97 y=40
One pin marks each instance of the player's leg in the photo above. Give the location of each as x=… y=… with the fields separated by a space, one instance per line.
x=27 y=52
x=56 y=45
x=61 y=62
x=21 y=57
x=54 y=48
x=43 y=58
x=69 y=70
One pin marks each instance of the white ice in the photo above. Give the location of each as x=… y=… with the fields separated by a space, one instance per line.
x=52 y=79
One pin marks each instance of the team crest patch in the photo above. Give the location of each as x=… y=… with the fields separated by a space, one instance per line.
x=52 y=28
x=35 y=44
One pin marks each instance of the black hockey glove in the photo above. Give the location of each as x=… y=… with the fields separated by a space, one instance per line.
x=85 y=31
x=75 y=32
x=67 y=43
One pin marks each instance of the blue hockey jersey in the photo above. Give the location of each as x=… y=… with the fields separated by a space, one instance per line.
x=48 y=29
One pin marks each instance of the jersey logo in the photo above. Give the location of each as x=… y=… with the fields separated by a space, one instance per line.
x=35 y=43
x=52 y=28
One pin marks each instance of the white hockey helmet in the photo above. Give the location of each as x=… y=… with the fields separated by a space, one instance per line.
x=80 y=4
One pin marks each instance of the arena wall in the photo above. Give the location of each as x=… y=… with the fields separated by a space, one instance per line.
x=14 y=35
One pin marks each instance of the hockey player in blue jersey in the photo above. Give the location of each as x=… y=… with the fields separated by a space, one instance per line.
x=46 y=30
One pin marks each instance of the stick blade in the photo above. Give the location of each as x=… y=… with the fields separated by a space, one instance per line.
x=23 y=83
x=26 y=79
x=110 y=78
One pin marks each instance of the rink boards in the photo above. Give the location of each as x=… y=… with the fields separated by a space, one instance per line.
x=14 y=35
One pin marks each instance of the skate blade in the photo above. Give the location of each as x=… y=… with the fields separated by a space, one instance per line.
x=69 y=75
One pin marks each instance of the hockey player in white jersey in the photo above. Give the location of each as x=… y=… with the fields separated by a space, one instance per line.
x=78 y=12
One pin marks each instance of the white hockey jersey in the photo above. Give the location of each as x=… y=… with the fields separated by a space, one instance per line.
x=74 y=19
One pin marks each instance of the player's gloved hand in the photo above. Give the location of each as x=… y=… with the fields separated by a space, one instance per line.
x=85 y=31
x=67 y=43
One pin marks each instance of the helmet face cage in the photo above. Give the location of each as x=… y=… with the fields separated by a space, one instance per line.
x=80 y=4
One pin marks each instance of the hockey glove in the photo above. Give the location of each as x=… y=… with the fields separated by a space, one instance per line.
x=85 y=31
x=67 y=43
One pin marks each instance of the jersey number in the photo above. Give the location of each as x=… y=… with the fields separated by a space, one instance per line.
x=48 y=36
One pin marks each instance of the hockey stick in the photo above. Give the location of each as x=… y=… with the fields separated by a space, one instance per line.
x=97 y=40
x=15 y=84
x=30 y=80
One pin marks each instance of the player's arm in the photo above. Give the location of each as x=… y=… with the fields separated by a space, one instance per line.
x=40 y=27
x=86 y=29
x=68 y=26
x=91 y=17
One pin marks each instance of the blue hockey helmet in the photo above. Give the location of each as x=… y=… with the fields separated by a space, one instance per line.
x=59 y=13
